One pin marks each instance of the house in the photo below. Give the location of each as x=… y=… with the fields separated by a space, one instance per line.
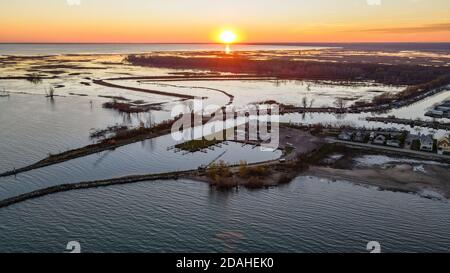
x=345 y=135
x=442 y=108
x=426 y=143
x=443 y=145
x=359 y=137
x=393 y=143
x=410 y=139
x=380 y=139
x=434 y=114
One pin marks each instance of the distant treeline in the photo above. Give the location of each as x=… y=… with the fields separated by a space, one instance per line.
x=413 y=91
x=290 y=69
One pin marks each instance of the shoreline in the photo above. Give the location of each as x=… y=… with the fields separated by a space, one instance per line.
x=91 y=184
x=358 y=177
x=396 y=179
x=374 y=107
x=107 y=144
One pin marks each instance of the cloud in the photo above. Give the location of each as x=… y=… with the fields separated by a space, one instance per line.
x=73 y=2
x=373 y=2
x=413 y=29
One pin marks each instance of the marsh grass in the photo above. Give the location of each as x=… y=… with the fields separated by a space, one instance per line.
x=197 y=144
x=34 y=78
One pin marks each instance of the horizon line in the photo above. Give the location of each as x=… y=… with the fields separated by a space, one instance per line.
x=216 y=43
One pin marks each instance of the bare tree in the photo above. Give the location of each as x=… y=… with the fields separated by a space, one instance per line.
x=50 y=93
x=311 y=103
x=340 y=103
x=305 y=102
x=308 y=87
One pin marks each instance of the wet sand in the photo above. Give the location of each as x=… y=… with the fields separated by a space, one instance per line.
x=398 y=178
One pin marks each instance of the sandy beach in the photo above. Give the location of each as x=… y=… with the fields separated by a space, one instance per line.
x=399 y=178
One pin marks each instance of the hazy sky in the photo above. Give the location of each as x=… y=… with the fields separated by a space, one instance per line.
x=200 y=20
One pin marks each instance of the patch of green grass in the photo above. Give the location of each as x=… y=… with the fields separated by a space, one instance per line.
x=197 y=144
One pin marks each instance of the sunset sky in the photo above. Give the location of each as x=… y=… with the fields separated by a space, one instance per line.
x=178 y=21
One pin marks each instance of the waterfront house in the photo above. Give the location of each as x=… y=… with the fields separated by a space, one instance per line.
x=443 y=145
x=426 y=143
x=443 y=108
x=393 y=143
x=345 y=135
x=434 y=114
x=379 y=140
x=359 y=136
x=410 y=139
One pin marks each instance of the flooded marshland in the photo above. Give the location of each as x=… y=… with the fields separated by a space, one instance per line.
x=310 y=214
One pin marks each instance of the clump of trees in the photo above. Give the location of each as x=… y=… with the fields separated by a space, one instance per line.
x=222 y=177
x=197 y=144
x=412 y=91
x=253 y=175
x=125 y=107
x=34 y=78
x=317 y=129
x=384 y=98
x=285 y=179
x=250 y=172
x=340 y=103
x=140 y=131
x=218 y=171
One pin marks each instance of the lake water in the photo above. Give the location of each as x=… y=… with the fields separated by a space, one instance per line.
x=147 y=157
x=33 y=126
x=308 y=215
x=54 y=49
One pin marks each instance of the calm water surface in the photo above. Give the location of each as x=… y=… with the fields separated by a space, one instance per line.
x=308 y=215
x=147 y=157
x=55 y=49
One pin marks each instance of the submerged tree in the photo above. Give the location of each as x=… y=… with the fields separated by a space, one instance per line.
x=50 y=93
x=34 y=78
x=311 y=103
x=340 y=103
x=305 y=102
x=4 y=93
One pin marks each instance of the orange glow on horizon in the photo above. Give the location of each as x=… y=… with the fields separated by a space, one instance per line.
x=200 y=21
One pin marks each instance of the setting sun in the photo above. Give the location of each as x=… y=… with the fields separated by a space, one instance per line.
x=228 y=37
